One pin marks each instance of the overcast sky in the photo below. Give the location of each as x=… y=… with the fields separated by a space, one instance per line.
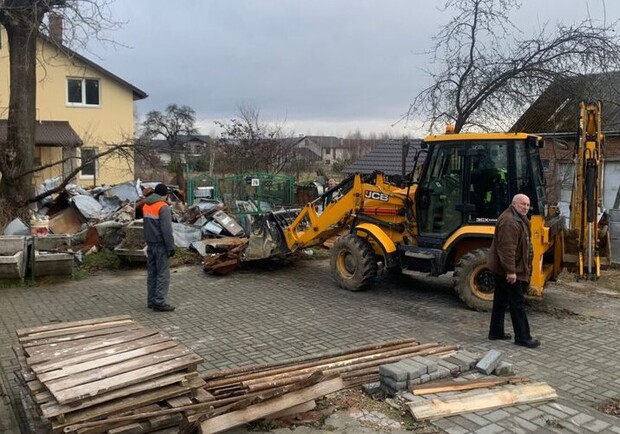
x=327 y=67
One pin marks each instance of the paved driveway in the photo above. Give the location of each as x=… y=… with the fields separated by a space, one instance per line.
x=270 y=312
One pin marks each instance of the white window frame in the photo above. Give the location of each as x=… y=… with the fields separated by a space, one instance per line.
x=83 y=103
x=95 y=162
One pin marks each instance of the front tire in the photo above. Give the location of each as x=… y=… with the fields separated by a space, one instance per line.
x=474 y=282
x=353 y=263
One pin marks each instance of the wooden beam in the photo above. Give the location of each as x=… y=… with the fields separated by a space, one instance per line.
x=263 y=409
x=468 y=402
x=454 y=386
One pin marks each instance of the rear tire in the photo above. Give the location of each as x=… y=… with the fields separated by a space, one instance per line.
x=353 y=263
x=474 y=282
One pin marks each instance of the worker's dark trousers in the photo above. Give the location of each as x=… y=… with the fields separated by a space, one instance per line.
x=158 y=274
x=509 y=296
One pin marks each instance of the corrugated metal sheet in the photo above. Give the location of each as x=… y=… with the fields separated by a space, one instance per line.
x=49 y=133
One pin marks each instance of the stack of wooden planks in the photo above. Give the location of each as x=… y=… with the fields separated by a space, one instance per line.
x=252 y=392
x=477 y=395
x=94 y=370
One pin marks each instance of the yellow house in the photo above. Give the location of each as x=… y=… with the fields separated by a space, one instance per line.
x=76 y=97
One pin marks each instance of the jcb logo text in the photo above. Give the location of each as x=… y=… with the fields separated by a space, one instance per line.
x=376 y=195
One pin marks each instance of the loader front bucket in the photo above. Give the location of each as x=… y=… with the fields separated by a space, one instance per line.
x=267 y=234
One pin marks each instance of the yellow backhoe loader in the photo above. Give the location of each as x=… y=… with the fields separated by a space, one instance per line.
x=445 y=221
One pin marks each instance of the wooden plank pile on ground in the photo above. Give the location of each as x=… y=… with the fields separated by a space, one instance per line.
x=93 y=370
x=476 y=395
x=248 y=393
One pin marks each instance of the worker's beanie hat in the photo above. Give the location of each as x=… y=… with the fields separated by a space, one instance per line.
x=161 y=189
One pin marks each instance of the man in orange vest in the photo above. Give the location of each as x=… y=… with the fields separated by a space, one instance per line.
x=160 y=248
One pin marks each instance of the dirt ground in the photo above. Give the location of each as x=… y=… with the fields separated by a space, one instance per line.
x=350 y=401
x=609 y=280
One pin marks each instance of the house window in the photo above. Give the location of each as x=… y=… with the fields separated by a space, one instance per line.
x=83 y=91
x=89 y=163
x=328 y=151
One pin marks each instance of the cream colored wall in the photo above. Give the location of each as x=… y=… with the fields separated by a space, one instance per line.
x=109 y=123
x=47 y=153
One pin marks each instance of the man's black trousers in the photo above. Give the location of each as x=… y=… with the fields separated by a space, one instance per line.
x=509 y=296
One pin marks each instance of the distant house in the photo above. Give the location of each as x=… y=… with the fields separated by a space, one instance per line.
x=331 y=149
x=81 y=108
x=555 y=116
x=388 y=159
x=189 y=146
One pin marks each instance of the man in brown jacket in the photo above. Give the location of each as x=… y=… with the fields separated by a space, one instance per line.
x=510 y=259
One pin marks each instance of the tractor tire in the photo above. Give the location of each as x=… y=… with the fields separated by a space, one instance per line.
x=474 y=282
x=353 y=263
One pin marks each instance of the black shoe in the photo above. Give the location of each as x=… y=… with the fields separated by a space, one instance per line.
x=529 y=343
x=163 y=308
x=150 y=306
x=504 y=337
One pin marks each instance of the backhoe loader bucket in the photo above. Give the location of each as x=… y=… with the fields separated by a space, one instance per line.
x=267 y=235
x=574 y=257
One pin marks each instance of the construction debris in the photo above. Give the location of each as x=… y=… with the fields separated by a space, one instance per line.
x=111 y=218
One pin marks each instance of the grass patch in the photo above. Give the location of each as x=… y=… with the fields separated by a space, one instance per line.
x=104 y=259
x=185 y=257
x=314 y=253
x=14 y=283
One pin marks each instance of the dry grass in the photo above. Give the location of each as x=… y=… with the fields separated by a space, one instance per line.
x=5 y=215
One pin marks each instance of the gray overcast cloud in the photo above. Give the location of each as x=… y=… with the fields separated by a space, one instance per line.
x=323 y=66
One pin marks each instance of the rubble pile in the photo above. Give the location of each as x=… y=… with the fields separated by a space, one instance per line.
x=111 y=218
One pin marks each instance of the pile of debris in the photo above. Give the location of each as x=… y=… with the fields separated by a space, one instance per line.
x=110 y=218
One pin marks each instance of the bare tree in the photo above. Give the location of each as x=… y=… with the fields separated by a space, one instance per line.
x=487 y=72
x=252 y=145
x=23 y=20
x=175 y=123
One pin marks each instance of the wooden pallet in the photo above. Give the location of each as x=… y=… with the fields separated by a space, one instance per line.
x=84 y=371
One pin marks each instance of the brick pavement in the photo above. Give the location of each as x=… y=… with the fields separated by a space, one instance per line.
x=267 y=313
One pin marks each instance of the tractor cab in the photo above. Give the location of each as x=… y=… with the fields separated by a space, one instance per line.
x=470 y=179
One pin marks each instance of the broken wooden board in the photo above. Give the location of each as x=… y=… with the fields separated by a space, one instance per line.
x=475 y=401
x=265 y=408
x=223 y=243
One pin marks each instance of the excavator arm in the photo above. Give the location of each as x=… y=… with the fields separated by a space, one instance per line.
x=586 y=197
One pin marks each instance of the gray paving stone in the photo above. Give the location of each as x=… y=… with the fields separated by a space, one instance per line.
x=596 y=426
x=490 y=361
x=496 y=415
x=504 y=369
x=454 y=369
x=531 y=414
x=257 y=316
x=553 y=411
x=394 y=371
x=478 y=420
x=524 y=424
x=490 y=429
x=431 y=365
x=414 y=369
x=394 y=385
x=581 y=419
